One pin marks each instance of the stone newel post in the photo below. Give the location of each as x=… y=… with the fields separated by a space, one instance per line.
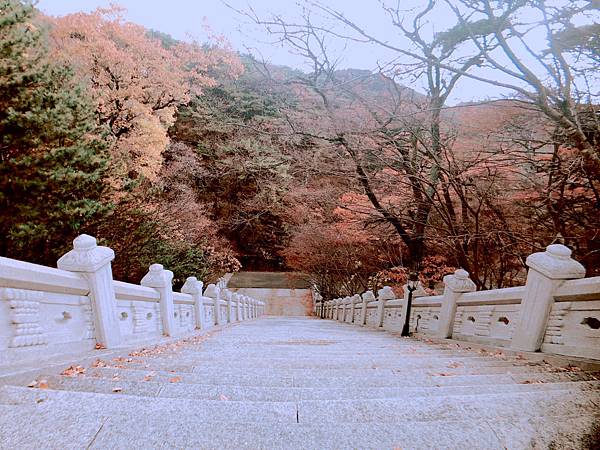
x=161 y=280
x=366 y=298
x=228 y=295
x=345 y=302
x=384 y=294
x=353 y=301
x=454 y=286
x=244 y=309
x=238 y=306
x=193 y=287
x=93 y=262
x=547 y=270
x=214 y=292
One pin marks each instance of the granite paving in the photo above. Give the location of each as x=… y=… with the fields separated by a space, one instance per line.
x=303 y=383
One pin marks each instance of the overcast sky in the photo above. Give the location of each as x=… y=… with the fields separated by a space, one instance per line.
x=182 y=18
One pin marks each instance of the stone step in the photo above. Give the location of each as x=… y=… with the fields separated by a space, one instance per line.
x=242 y=393
x=243 y=379
x=443 y=380
x=326 y=364
x=216 y=378
x=444 y=370
x=100 y=422
x=485 y=406
x=40 y=401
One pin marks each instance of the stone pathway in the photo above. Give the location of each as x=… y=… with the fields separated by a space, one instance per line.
x=305 y=384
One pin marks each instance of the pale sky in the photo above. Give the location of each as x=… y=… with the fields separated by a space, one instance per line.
x=181 y=18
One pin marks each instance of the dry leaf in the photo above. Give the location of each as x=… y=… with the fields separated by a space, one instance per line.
x=99 y=363
x=223 y=397
x=117 y=389
x=100 y=347
x=73 y=371
x=32 y=384
x=42 y=384
x=175 y=380
x=148 y=378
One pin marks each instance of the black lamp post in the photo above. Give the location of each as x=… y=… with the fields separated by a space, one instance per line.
x=411 y=285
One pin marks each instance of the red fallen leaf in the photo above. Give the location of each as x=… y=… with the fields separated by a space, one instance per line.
x=73 y=371
x=175 y=380
x=148 y=378
x=99 y=363
x=42 y=384
x=100 y=347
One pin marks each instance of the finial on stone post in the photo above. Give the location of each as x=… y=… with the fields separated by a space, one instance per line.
x=547 y=270
x=454 y=286
x=162 y=280
x=384 y=294
x=193 y=287
x=93 y=262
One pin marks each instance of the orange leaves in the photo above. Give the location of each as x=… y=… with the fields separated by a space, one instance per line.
x=138 y=78
x=99 y=363
x=175 y=380
x=73 y=371
x=39 y=384
x=100 y=347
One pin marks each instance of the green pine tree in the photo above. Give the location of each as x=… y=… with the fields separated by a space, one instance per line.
x=52 y=162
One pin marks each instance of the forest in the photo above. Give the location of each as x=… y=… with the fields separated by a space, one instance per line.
x=208 y=160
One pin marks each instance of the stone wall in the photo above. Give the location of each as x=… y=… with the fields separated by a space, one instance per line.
x=46 y=311
x=557 y=311
x=281 y=302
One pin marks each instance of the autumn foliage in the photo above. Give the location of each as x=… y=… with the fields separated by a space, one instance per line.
x=188 y=154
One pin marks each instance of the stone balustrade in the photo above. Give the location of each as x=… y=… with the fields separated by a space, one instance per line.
x=557 y=311
x=47 y=311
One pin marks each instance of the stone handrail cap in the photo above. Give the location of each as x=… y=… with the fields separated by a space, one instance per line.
x=192 y=286
x=459 y=281
x=556 y=263
x=157 y=277
x=386 y=293
x=211 y=291
x=368 y=296
x=86 y=255
x=461 y=274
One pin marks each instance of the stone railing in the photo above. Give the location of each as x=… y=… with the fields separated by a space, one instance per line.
x=46 y=311
x=557 y=311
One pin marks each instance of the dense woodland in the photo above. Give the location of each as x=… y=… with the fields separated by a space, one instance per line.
x=209 y=161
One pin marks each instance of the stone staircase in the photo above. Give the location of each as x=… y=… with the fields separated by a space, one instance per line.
x=304 y=383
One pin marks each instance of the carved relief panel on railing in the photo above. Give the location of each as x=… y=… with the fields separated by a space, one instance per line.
x=486 y=323
x=574 y=329
x=424 y=320
x=24 y=308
